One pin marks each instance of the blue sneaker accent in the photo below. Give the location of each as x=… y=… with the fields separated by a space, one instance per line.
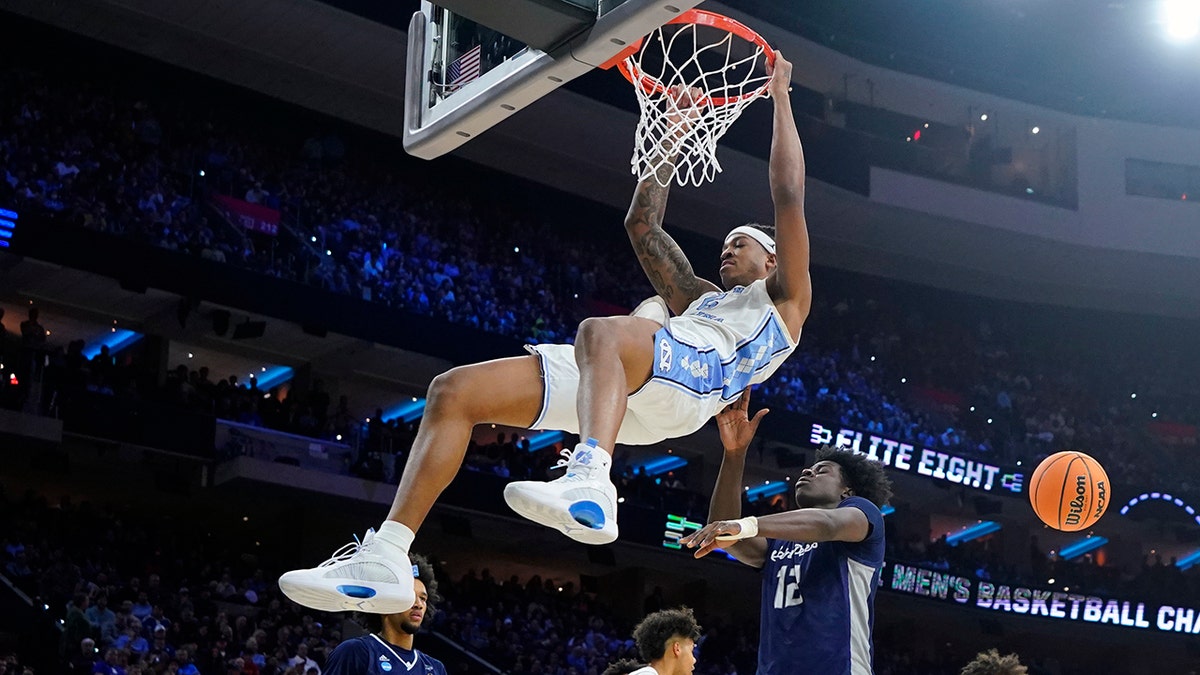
x=591 y=442
x=356 y=591
x=587 y=513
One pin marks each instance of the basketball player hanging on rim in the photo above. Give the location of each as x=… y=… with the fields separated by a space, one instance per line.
x=637 y=379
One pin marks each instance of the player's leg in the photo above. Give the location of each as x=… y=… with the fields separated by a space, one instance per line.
x=614 y=356
x=375 y=575
x=506 y=391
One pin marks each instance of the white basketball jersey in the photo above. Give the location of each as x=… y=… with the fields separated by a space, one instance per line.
x=744 y=328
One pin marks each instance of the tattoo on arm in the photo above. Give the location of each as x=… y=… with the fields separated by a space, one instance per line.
x=664 y=262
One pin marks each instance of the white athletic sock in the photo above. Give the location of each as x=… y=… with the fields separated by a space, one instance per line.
x=600 y=460
x=396 y=539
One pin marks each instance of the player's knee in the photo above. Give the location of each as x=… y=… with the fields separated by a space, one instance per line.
x=446 y=391
x=596 y=334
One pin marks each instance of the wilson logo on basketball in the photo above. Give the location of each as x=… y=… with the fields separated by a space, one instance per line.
x=1077 y=502
x=1101 y=498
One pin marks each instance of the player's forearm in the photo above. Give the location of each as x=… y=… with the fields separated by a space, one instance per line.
x=647 y=210
x=726 y=501
x=786 y=168
x=799 y=525
x=665 y=264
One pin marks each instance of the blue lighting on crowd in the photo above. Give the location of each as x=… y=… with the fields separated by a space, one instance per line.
x=655 y=466
x=273 y=377
x=115 y=341
x=407 y=411
x=887 y=510
x=8 y=225
x=545 y=439
x=1078 y=548
x=973 y=532
x=766 y=490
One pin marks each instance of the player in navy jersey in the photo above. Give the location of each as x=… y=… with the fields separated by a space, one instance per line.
x=820 y=562
x=390 y=651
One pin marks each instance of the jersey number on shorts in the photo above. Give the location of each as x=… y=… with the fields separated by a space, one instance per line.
x=787 y=592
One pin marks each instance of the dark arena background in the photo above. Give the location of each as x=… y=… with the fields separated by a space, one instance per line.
x=225 y=287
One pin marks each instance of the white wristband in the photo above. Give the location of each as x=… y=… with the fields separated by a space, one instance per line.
x=749 y=528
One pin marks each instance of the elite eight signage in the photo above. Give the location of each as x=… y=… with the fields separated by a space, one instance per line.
x=934 y=464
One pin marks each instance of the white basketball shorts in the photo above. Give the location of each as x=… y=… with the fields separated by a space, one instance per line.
x=684 y=393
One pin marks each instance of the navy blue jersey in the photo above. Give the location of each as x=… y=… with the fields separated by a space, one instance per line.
x=818 y=602
x=370 y=655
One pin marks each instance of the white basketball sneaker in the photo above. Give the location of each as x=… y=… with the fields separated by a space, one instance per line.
x=356 y=578
x=581 y=504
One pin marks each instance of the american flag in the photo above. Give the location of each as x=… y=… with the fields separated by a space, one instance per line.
x=464 y=69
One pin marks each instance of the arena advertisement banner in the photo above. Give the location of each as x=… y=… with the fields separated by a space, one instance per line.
x=903 y=456
x=253 y=217
x=1032 y=601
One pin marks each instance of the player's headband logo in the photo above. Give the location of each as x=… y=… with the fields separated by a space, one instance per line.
x=755 y=234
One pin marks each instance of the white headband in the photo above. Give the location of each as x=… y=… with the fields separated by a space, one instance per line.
x=755 y=234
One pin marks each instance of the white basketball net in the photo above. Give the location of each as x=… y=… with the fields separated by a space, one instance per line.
x=716 y=70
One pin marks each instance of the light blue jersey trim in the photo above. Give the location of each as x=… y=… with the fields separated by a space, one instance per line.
x=700 y=372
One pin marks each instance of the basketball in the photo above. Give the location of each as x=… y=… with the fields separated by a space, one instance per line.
x=1069 y=491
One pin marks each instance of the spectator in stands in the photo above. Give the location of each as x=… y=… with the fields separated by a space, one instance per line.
x=111 y=663
x=33 y=348
x=156 y=617
x=103 y=619
x=142 y=609
x=183 y=658
x=303 y=660
x=256 y=194
x=76 y=626
x=83 y=660
x=132 y=639
x=160 y=651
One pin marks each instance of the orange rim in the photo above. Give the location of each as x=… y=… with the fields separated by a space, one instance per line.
x=699 y=17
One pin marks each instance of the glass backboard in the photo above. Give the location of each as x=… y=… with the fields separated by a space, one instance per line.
x=464 y=75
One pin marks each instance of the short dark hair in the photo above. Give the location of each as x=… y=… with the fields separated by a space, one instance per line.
x=861 y=474
x=622 y=667
x=425 y=574
x=654 y=631
x=991 y=663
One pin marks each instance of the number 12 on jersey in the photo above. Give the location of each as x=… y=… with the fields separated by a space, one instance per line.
x=787 y=591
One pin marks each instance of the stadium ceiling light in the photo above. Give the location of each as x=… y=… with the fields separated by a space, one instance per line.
x=1181 y=19
x=983 y=117
x=1035 y=130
